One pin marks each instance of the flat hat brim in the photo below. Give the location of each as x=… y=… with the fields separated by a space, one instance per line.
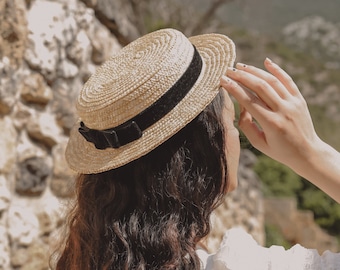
x=218 y=53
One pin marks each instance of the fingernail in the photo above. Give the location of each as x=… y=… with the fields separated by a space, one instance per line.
x=232 y=69
x=241 y=65
x=269 y=60
x=225 y=79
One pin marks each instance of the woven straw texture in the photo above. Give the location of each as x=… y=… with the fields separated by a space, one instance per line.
x=135 y=78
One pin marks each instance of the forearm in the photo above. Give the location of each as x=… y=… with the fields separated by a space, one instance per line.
x=321 y=167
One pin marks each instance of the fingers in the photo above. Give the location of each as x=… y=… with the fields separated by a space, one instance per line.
x=272 y=87
x=258 y=85
x=283 y=127
x=265 y=96
x=255 y=106
x=282 y=76
x=274 y=83
x=254 y=88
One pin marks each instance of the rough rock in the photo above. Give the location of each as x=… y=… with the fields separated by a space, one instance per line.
x=8 y=86
x=5 y=194
x=45 y=39
x=35 y=90
x=34 y=257
x=20 y=115
x=23 y=226
x=27 y=149
x=31 y=177
x=62 y=105
x=62 y=183
x=4 y=249
x=80 y=49
x=8 y=140
x=13 y=30
x=5 y=199
x=102 y=50
x=44 y=128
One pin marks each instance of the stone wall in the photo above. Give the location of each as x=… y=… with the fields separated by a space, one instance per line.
x=48 y=50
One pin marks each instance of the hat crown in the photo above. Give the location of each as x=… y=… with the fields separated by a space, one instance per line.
x=133 y=79
x=138 y=79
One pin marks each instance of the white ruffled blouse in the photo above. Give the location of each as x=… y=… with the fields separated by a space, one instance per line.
x=239 y=251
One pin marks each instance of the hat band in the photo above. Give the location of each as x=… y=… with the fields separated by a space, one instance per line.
x=133 y=129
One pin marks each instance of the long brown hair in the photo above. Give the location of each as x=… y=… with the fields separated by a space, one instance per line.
x=150 y=213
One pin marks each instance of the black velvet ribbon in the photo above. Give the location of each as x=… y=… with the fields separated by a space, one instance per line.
x=133 y=129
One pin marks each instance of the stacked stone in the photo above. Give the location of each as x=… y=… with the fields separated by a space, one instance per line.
x=48 y=50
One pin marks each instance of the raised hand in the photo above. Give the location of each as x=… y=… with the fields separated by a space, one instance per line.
x=283 y=129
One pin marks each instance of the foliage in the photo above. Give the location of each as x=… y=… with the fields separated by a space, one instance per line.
x=275 y=237
x=326 y=210
x=278 y=179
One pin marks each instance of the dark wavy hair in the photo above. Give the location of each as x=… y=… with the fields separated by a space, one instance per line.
x=151 y=213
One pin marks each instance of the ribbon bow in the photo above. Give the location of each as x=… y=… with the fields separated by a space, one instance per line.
x=113 y=137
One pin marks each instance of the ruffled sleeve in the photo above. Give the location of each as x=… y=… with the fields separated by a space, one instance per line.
x=239 y=251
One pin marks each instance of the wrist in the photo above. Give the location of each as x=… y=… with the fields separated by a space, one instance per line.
x=312 y=158
x=321 y=167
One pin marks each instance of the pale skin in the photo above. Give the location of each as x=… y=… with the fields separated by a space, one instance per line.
x=285 y=130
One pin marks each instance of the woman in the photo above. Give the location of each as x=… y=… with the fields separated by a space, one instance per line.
x=156 y=150
x=150 y=150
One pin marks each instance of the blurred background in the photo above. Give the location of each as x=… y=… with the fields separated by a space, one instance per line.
x=49 y=48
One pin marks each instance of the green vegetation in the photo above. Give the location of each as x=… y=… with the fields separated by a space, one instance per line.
x=326 y=210
x=274 y=237
x=278 y=179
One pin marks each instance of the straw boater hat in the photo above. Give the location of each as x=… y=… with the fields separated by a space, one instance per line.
x=144 y=95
